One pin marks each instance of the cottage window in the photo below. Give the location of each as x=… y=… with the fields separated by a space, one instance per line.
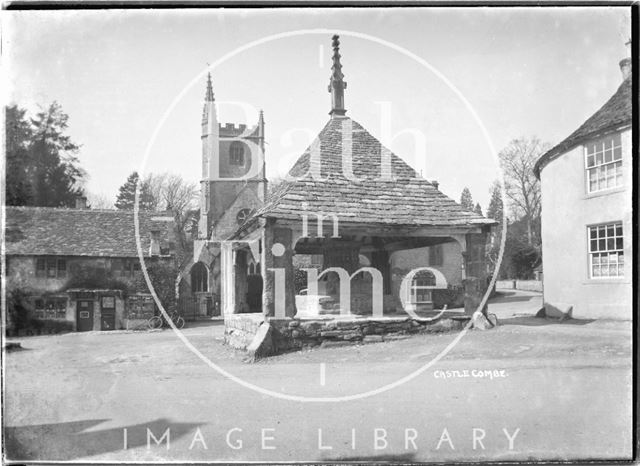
x=423 y=283
x=140 y=307
x=51 y=267
x=125 y=267
x=604 y=163
x=62 y=268
x=606 y=251
x=435 y=255
x=236 y=153
x=50 y=308
x=41 y=267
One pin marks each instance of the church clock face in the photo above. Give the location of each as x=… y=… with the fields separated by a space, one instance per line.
x=243 y=215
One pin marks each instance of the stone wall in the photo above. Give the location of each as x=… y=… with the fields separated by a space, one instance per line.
x=451 y=267
x=529 y=285
x=526 y=285
x=296 y=333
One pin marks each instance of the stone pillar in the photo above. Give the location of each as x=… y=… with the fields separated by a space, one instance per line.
x=277 y=261
x=227 y=272
x=240 y=268
x=475 y=271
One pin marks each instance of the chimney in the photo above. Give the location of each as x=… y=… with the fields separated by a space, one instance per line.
x=625 y=67
x=625 y=63
x=435 y=183
x=154 y=247
x=81 y=202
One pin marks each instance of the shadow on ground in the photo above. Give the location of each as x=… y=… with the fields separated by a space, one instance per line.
x=204 y=323
x=66 y=441
x=533 y=321
x=510 y=297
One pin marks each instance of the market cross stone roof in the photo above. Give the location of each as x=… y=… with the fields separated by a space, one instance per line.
x=82 y=232
x=614 y=114
x=408 y=200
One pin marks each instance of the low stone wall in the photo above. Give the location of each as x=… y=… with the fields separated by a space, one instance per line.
x=505 y=284
x=529 y=285
x=240 y=329
x=525 y=285
x=297 y=333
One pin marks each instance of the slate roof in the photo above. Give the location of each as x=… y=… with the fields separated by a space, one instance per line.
x=614 y=114
x=81 y=232
x=410 y=200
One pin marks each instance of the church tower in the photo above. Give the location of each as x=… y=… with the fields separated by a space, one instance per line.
x=233 y=172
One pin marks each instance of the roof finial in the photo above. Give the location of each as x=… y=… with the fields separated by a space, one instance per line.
x=336 y=83
x=261 y=124
x=209 y=95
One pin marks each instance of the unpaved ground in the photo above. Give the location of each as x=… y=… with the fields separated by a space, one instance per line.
x=566 y=387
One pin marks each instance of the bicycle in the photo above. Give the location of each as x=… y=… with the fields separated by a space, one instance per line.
x=159 y=321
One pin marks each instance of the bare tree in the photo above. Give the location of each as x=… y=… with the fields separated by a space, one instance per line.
x=178 y=194
x=522 y=188
x=173 y=193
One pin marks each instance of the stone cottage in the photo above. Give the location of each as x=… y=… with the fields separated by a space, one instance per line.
x=78 y=269
x=587 y=228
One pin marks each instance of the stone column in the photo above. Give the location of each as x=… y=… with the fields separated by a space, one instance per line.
x=277 y=271
x=227 y=298
x=475 y=271
x=240 y=268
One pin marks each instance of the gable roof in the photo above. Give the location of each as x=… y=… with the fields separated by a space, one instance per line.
x=613 y=115
x=81 y=232
x=409 y=200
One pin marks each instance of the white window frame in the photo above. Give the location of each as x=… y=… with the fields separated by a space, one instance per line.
x=603 y=159
x=605 y=246
x=415 y=288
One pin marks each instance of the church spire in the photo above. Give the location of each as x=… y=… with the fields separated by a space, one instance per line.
x=209 y=95
x=336 y=83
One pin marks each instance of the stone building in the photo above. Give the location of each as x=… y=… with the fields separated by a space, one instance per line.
x=361 y=208
x=78 y=269
x=587 y=229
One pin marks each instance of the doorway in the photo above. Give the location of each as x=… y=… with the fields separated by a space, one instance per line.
x=84 y=315
x=107 y=313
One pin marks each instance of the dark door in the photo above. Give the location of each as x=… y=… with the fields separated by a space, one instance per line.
x=254 y=293
x=84 y=316
x=107 y=313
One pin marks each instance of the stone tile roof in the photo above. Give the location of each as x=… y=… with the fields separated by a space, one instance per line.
x=410 y=200
x=81 y=232
x=614 y=114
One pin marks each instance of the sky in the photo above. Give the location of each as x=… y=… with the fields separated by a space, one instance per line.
x=467 y=81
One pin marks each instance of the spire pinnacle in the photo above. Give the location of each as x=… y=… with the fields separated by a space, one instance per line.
x=209 y=95
x=337 y=85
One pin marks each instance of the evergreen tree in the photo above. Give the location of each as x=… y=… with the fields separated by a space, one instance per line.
x=127 y=194
x=496 y=208
x=466 y=201
x=478 y=209
x=56 y=174
x=18 y=136
x=42 y=163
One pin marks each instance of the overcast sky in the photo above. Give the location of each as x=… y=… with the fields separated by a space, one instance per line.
x=524 y=71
